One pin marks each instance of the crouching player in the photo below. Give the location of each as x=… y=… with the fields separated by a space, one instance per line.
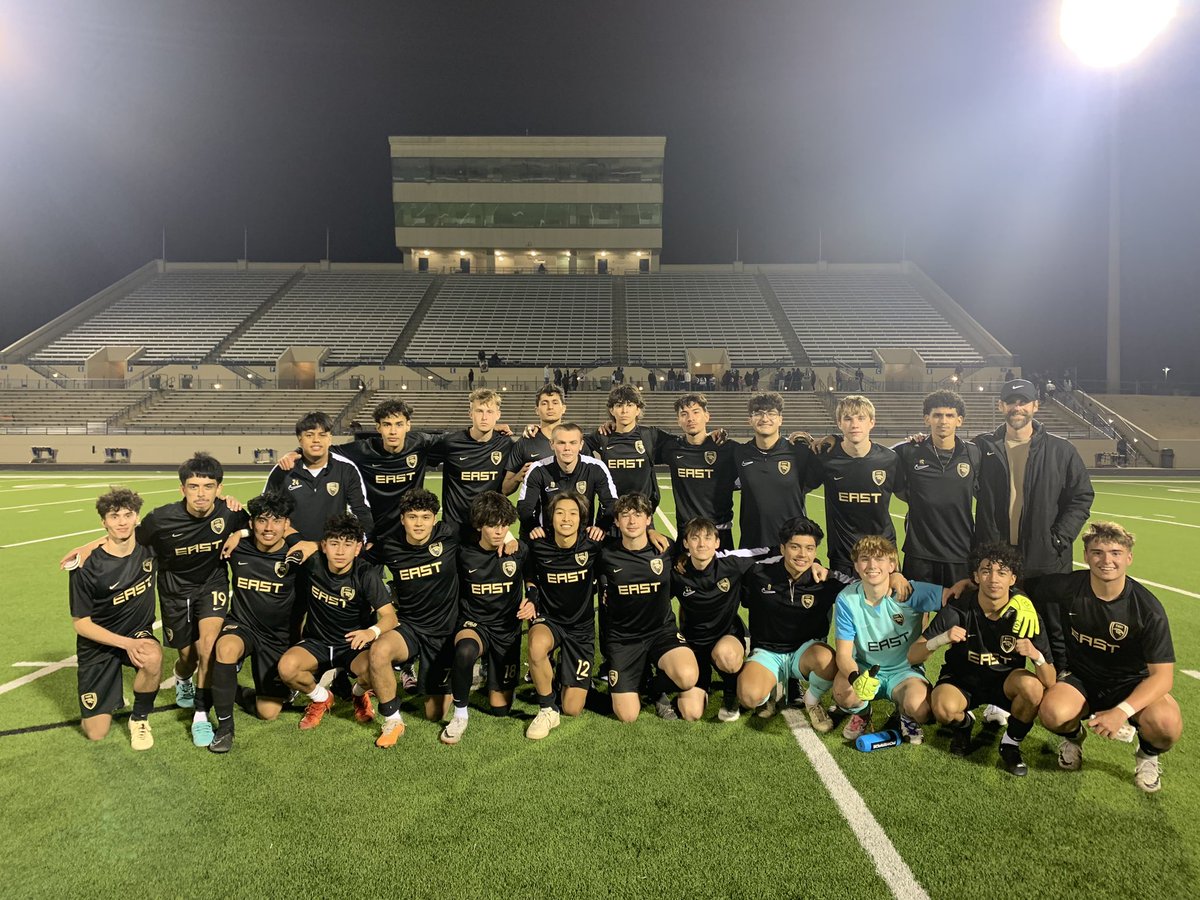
x=985 y=662
x=349 y=606
x=1113 y=647
x=789 y=623
x=112 y=606
x=491 y=609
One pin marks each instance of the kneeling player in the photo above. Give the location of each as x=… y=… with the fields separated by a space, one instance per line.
x=986 y=661
x=263 y=583
x=638 y=629
x=112 y=607
x=342 y=593
x=789 y=623
x=1112 y=644
x=492 y=607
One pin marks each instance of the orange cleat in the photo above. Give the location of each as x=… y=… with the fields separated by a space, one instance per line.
x=363 y=710
x=314 y=712
x=393 y=729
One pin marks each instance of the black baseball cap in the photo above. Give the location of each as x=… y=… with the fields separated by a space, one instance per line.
x=1018 y=389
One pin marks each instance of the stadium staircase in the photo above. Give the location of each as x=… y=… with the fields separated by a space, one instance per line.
x=214 y=356
x=620 y=323
x=143 y=404
x=786 y=331
x=48 y=373
x=395 y=356
x=349 y=412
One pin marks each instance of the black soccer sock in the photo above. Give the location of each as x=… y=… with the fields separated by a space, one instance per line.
x=203 y=700
x=502 y=710
x=466 y=652
x=545 y=701
x=143 y=703
x=967 y=721
x=1147 y=748
x=1075 y=734
x=728 y=689
x=224 y=689
x=1017 y=729
x=389 y=708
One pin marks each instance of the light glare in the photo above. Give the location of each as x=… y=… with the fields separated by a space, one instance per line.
x=1110 y=33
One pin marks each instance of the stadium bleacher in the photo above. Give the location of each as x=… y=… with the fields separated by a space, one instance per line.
x=48 y=409
x=238 y=412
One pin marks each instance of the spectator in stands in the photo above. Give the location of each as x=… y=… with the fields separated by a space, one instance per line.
x=470 y=380
x=495 y=359
x=575 y=380
x=482 y=357
x=546 y=374
x=837 y=377
x=858 y=375
x=558 y=376
x=671 y=379
x=652 y=380
x=1122 y=452
x=812 y=380
x=685 y=379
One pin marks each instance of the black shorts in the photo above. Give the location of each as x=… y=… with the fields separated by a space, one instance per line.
x=434 y=655
x=704 y=652
x=501 y=652
x=100 y=683
x=935 y=571
x=978 y=691
x=181 y=614
x=330 y=656
x=629 y=662
x=1099 y=697
x=265 y=653
x=576 y=650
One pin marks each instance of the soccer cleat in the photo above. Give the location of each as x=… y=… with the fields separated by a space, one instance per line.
x=1011 y=762
x=858 y=725
x=768 y=709
x=408 y=679
x=202 y=733
x=960 y=740
x=185 y=694
x=1146 y=772
x=665 y=710
x=393 y=730
x=140 y=736
x=543 y=723
x=363 y=710
x=454 y=730
x=911 y=731
x=478 y=674
x=1070 y=754
x=729 y=713
x=315 y=712
x=222 y=742
x=819 y=718
x=994 y=715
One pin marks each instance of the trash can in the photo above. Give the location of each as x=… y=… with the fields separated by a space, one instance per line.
x=1167 y=459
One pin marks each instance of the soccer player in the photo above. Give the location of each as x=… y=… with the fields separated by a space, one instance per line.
x=707 y=582
x=567 y=469
x=492 y=606
x=986 y=661
x=1112 y=645
x=472 y=462
x=772 y=473
x=551 y=407
x=702 y=471
x=874 y=631
x=112 y=608
x=938 y=479
x=639 y=629
x=791 y=600
x=858 y=476
x=629 y=448
x=349 y=606
x=561 y=584
x=263 y=581
x=424 y=568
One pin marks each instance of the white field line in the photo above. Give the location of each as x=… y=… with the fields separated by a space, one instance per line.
x=1102 y=480
x=670 y=528
x=1192 y=672
x=873 y=839
x=76 y=500
x=1148 y=497
x=48 y=669
x=1157 y=584
x=1096 y=512
x=56 y=537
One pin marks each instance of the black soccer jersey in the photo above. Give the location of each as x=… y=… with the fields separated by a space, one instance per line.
x=117 y=592
x=565 y=579
x=785 y=614
x=774 y=483
x=263 y=588
x=702 y=478
x=630 y=458
x=425 y=579
x=635 y=588
x=527 y=450
x=388 y=476
x=469 y=467
x=990 y=650
x=336 y=487
x=491 y=587
x=939 y=487
x=709 y=598
x=590 y=479
x=338 y=604
x=858 y=494
x=189 y=548
x=1103 y=642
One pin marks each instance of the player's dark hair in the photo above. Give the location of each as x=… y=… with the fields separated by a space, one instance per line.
x=392 y=408
x=943 y=400
x=997 y=552
x=344 y=526
x=682 y=403
x=799 y=526
x=549 y=390
x=314 y=421
x=272 y=503
x=696 y=526
x=201 y=465
x=116 y=499
x=633 y=502
x=563 y=497
x=625 y=393
x=492 y=508
x=565 y=426
x=418 y=500
x=765 y=401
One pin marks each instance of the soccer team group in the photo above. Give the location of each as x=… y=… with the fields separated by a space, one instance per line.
x=295 y=581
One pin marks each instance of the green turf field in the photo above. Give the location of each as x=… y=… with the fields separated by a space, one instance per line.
x=599 y=809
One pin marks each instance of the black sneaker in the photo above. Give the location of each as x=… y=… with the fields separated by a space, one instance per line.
x=960 y=740
x=1010 y=760
x=222 y=742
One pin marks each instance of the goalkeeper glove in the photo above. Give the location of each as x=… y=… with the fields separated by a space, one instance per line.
x=1025 y=617
x=865 y=684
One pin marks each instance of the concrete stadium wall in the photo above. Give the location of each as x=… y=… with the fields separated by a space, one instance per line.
x=144 y=449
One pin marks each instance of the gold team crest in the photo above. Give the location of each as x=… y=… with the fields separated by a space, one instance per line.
x=639 y=446
x=496 y=457
x=333 y=487
x=147 y=565
x=879 y=476
x=170 y=634
x=435 y=549
x=581 y=558
x=581 y=486
x=656 y=566
x=964 y=469
x=710 y=456
x=1118 y=630
x=785 y=466
x=88 y=700
x=217 y=525
x=281 y=568
x=1008 y=643
x=411 y=460
x=898 y=618
x=807 y=601
x=723 y=585
x=347 y=593
x=509 y=567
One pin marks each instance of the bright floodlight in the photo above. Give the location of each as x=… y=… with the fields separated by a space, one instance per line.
x=1108 y=33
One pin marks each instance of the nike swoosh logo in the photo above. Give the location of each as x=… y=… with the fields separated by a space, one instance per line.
x=472 y=571
x=678 y=458
x=747 y=462
x=688 y=592
x=920 y=468
x=173 y=534
x=991 y=453
x=462 y=459
x=113 y=587
x=243 y=564
x=615 y=571
x=838 y=477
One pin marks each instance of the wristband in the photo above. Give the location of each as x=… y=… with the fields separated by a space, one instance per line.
x=376 y=629
x=937 y=641
x=244 y=533
x=1040 y=661
x=1126 y=708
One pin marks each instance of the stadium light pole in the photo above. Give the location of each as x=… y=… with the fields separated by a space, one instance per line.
x=1107 y=34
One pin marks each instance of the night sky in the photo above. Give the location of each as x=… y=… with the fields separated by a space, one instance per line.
x=962 y=127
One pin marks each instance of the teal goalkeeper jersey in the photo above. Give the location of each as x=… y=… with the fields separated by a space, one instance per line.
x=882 y=634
